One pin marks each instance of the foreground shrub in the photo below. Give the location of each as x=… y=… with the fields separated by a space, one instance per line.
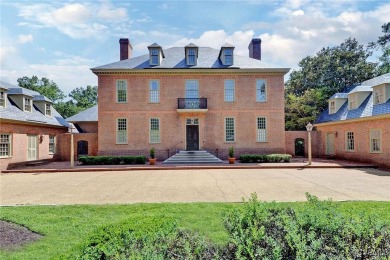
x=112 y=160
x=264 y=158
x=154 y=239
x=317 y=230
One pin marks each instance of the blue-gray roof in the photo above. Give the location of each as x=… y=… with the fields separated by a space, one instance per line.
x=13 y=112
x=208 y=58
x=366 y=109
x=88 y=115
x=339 y=95
x=42 y=98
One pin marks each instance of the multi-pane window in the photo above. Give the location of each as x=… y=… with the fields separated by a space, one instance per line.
x=352 y=101
x=154 y=56
x=332 y=107
x=229 y=129
x=52 y=144
x=191 y=56
x=154 y=130
x=261 y=91
x=121 y=131
x=350 y=141
x=27 y=104
x=48 y=109
x=192 y=89
x=228 y=56
x=379 y=96
x=121 y=91
x=5 y=145
x=154 y=91
x=261 y=129
x=229 y=90
x=2 y=99
x=375 y=140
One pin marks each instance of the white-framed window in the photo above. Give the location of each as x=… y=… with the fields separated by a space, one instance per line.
x=52 y=144
x=154 y=130
x=2 y=98
x=349 y=141
x=191 y=56
x=154 y=56
x=48 y=109
x=375 y=140
x=27 y=104
x=332 y=107
x=5 y=145
x=379 y=96
x=121 y=131
x=154 y=91
x=121 y=91
x=261 y=129
x=230 y=135
x=229 y=90
x=261 y=90
x=352 y=101
x=192 y=89
x=228 y=56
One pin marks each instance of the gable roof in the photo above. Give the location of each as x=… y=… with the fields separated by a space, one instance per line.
x=12 y=112
x=88 y=115
x=366 y=109
x=208 y=58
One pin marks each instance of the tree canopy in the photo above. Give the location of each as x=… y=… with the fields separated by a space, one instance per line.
x=43 y=86
x=331 y=70
x=383 y=43
x=81 y=98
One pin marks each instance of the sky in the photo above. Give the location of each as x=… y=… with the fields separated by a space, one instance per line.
x=62 y=40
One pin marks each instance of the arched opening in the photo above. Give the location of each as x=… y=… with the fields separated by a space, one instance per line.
x=299 y=147
x=82 y=148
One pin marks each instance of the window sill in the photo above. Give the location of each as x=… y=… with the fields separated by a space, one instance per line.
x=5 y=157
x=261 y=142
x=121 y=143
x=350 y=151
x=376 y=152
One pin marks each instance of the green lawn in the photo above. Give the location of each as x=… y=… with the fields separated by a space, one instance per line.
x=66 y=227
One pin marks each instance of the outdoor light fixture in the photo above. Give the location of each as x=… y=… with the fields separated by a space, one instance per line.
x=309 y=128
x=71 y=130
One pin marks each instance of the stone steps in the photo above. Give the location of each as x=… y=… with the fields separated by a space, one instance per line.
x=193 y=157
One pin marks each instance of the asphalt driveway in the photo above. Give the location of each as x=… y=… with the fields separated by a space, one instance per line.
x=213 y=185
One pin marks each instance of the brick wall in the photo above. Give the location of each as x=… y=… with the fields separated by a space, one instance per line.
x=138 y=112
x=19 y=141
x=64 y=144
x=362 y=140
x=315 y=142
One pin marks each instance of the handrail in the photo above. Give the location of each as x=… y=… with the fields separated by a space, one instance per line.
x=192 y=103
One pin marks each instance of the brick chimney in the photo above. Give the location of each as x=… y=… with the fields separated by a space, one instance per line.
x=255 y=48
x=125 y=49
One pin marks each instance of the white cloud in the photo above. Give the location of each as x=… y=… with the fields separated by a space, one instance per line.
x=298 y=13
x=71 y=14
x=25 y=38
x=110 y=13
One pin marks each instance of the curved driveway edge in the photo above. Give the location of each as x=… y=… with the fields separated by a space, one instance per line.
x=192 y=185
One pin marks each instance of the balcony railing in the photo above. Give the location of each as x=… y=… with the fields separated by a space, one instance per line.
x=192 y=103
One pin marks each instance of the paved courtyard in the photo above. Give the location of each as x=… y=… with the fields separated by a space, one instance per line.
x=207 y=185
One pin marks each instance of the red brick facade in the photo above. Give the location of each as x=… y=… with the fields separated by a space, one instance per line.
x=138 y=111
x=361 y=132
x=291 y=136
x=19 y=141
x=63 y=150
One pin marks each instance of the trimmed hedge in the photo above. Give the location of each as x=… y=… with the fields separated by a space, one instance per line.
x=264 y=158
x=112 y=160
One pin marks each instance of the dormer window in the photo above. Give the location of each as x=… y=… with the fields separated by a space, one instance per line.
x=332 y=107
x=352 y=102
x=226 y=55
x=191 y=52
x=48 y=109
x=2 y=98
x=155 y=54
x=27 y=105
x=379 y=95
x=154 y=59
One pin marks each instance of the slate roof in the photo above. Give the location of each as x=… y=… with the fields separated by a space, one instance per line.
x=88 y=115
x=366 y=109
x=208 y=58
x=339 y=95
x=13 y=112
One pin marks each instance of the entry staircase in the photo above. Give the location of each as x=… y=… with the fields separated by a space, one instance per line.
x=193 y=157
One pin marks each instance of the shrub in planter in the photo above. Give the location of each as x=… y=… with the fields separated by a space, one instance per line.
x=264 y=158
x=112 y=160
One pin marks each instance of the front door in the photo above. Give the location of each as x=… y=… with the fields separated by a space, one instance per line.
x=192 y=137
x=82 y=148
x=330 y=144
x=32 y=148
